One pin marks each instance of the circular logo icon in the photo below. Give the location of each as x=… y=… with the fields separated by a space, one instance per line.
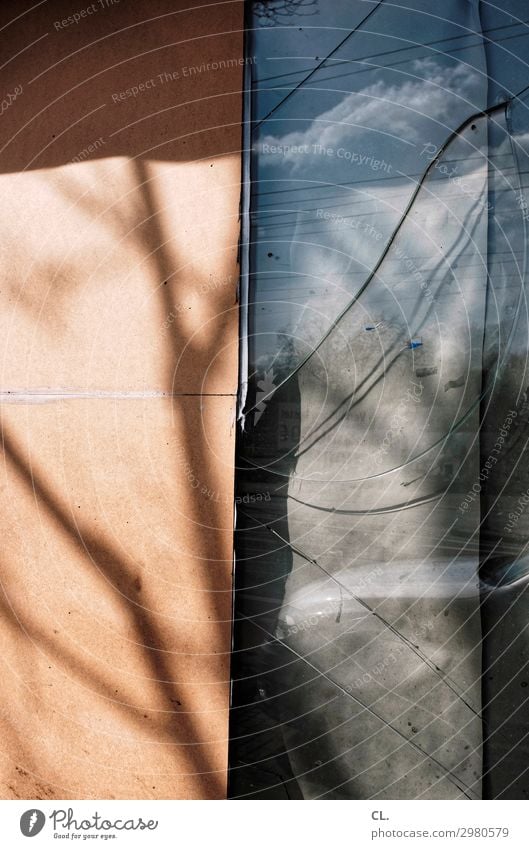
x=32 y=822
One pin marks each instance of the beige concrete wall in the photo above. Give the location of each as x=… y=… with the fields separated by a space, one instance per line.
x=118 y=374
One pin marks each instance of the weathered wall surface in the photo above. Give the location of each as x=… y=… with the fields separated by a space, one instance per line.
x=119 y=194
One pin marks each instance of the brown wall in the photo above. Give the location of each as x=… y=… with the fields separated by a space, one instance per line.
x=118 y=374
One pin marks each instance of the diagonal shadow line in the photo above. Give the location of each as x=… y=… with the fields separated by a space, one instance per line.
x=154 y=243
x=18 y=621
x=110 y=564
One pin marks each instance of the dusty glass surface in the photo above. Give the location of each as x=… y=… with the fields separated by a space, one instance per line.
x=381 y=610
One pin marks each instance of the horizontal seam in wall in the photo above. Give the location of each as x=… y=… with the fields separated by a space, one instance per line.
x=13 y=395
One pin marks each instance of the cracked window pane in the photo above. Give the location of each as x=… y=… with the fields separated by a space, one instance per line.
x=380 y=637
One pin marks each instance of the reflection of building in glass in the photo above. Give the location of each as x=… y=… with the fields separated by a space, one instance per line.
x=399 y=262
